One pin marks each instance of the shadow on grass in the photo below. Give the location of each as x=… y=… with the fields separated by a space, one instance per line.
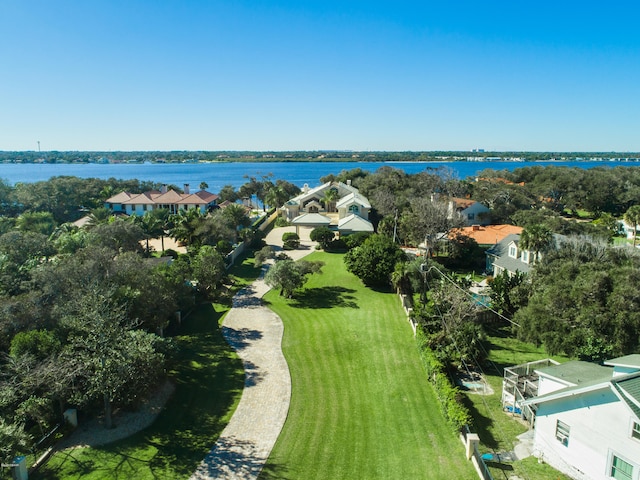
x=326 y=297
x=209 y=379
x=500 y=470
x=481 y=424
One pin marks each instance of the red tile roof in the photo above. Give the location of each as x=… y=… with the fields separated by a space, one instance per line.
x=487 y=234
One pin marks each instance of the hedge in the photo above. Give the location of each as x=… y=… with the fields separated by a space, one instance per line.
x=455 y=413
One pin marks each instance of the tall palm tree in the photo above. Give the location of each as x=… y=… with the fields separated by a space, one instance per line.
x=632 y=218
x=151 y=225
x=537 y=239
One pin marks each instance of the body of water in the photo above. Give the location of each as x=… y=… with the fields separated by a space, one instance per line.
x=218 y=174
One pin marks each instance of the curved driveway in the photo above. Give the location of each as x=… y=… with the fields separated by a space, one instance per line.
x=255 y=332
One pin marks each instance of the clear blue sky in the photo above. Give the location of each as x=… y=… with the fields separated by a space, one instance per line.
x=313 y=75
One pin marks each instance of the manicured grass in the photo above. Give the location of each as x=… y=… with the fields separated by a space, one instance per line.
x=497 y=429
x=209 y=379
x=361 y=406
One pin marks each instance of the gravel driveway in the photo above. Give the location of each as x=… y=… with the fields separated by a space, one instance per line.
x=255 y=332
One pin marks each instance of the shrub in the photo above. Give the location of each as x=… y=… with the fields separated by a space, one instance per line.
x=282 y=222
x=322 y=235
x=337 y=245
x=224 y=247
x=290 y=240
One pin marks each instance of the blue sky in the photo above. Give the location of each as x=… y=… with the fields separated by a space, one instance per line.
x=314 y=75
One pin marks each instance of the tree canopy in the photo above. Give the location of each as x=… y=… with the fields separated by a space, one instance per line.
x=582 y=302
x=374 y=260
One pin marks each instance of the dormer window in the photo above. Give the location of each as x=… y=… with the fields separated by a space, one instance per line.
x=513 y=251
x=525 y=256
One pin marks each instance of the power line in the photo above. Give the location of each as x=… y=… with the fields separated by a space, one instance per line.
x=487 y=306
x=505 y=438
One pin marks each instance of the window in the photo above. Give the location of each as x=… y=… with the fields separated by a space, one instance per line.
x=562 y=433
x=525 y=256
x=621 y=469
x=354 y=208
x=513 y=251
x=635 y=430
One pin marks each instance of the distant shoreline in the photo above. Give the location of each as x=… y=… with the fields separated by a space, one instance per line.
x=221 y=157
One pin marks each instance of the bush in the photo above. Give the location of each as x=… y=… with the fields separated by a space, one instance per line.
x=323 y=235
x=224 y=247
x=290 y=240
x=282 y=222
x=337 y=245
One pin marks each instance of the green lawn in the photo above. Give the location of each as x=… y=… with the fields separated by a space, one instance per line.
x=498 y=430
x=209 y=380
x=361 y=406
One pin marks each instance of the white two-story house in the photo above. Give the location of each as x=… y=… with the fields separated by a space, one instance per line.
x=587 y=420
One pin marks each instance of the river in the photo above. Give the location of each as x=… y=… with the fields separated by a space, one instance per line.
x=218 y=174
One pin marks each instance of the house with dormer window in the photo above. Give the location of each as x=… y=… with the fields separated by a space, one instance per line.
x=348 y=213
x=587 y=418
x=506 y=255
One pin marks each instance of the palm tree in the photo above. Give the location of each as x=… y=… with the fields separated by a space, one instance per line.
x=185 y=223
x=632 y=218
x=98 y=216
x=537 y=239
x=276 y=196
x=151 y=225
x=330 y=196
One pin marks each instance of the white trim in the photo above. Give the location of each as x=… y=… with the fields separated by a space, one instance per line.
x=612 y=453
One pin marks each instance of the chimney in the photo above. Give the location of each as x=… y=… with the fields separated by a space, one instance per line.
x=305 y=188
x=163 y=189
x=186 y=188
x=349 y=182
x=476 y=228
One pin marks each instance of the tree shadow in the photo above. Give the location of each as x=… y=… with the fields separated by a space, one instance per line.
x=234 y=458
x=326 y=297
x=481 y=424
x=505 y=469
x=253 y=375
x=246 y=298
x=240 y=338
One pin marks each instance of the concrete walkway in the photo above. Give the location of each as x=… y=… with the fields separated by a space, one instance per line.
x=255 y=332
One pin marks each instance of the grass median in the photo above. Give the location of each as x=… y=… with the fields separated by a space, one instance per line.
x=361 y=407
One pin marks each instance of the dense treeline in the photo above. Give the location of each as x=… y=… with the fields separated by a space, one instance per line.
x=84 y=310
x=186 y=156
